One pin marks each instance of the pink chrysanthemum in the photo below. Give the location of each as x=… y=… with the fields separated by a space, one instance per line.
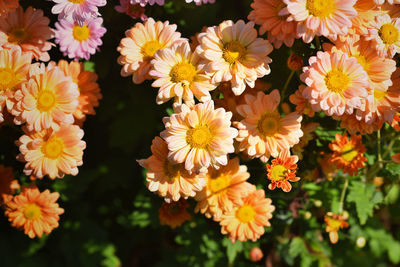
x=133 y=10
x=263 y=131
x=336 y=83
x=52 y=153
x=30 y=30
x=266 y=13
x=234 y=53
x=328 y=18
x=180 y=74
x=199 y=135
x=79 y=41
x=145 y=2
x=78 y=10
x=7 y=6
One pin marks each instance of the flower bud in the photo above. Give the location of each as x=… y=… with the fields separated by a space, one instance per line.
x=256 y=254
x=318 y=203
x=294 y=62
x=307 y=215
x=285 y=108
x=361 y=242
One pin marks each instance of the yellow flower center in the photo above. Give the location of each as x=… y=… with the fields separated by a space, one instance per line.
x=53 y=148
x=77 y=1
x=183 y=72
x=81 y=33
x=171 y=171
x=278 y=172
x=199 y=137
x=389 y=33
x=32 y=212
x=46 y=100
x=150 y=48
x=269 y=124
x=349 y=153
x=379 y=95
x=233 y=52
x=18 y=36
x=334 y=224
x=320 y=8
x=245 y=214
x=8 y=79
x=337 y=81
x=363 y=62
x=219 y=184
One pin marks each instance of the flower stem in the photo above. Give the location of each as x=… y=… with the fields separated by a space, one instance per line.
x=287 y=84
x=346 y=184
x=378 y=141
x=318 y=42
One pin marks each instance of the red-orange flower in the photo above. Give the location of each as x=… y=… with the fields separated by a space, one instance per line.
x=396 y=158
x=282 y=170
x=174 y=214
x=334 y=222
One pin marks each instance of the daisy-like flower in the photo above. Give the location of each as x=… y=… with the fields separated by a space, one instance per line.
x=267 y=14
x=180 y=74
x=234 y=53
x=52 y=153
x=367 y=10
x=46 y=100
x=78 y=10
x=225 y=188
x=263 y=131
x=356 y=125
x=348 y=154
x=8 y=185
x=200 y=136
x=336 y=83
x=308 y=135
x=34 y=211
x=141 y=43
x=7 y=6
x=328 y=18
x=248 y=219
x=30 y=30
x=302 y=104
x=174 y=214
x=79 y=40
x=282 y=170
x=88 y=88
x=385 y=32
x=334 y=222
x=133 y=10
x=170 y=181
x=145 y=2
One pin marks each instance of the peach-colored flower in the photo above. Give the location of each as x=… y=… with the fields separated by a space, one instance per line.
x=396 y=158
x=225 y=187
x=256 y=254
x=302 y=104
x=263 y=131
x=354 y=125
x=30 y=30
x=282 y=170
x=328 y=18
x=367 y=10
x=142 y=41
x=334 y=222
x=34 y=211
x=392 y=10
x=199 y=135
x=308 y=134
x=234 y=53
x=247 y=220
x=267 y=14
x=52 y=153
x=8 y=185
x=87 y=85
x=174 y=214
x=46 y=100
x=336 y=83
x=180 y=74
x=167 y=179
x=7 y=6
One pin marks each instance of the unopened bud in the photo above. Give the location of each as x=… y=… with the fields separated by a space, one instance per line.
x=318 y=203
x=285 y=108
x=256 y=254
x=307 y=215
x=345 y=215
x=361 y=242
x=294 y=62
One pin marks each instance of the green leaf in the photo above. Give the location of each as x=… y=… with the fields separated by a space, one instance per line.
x=394 y=252
x=297 y=247
x=232 y=249
x=393 y=168
x=89 y=66
x=393 y=194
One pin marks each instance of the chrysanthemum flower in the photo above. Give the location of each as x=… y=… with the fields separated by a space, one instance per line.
x=336 y=83
x=392 y=10
x=30 y=30
x=141 y=43
x=34 y=211
x=302 y=104
x=225 y=188
x=334 y=222
x=348 y=154
x=133 y=10
x=78 y=10
x=263 y=131
x=328 y=18
x=145 y=2
x=367 y=10
x=356 y=125
x=169 y=180
x=88 y=88
x=396 y=158
x=79 y=41
x=46 y=100
x=52 y=153
x=395 y=123
x=200 y=136
x=234 y=53
x=7 y=6
x=180 y=74
x=8 y=184
x=282 y=170
x=385 y=32
x=174 y=214
x=308 y=134
x=248 y=219
x=267 y=14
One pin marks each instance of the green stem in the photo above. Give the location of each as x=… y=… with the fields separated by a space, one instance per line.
x=318 y=42
x=346 y=184
x=287 y=84
x=378 y=141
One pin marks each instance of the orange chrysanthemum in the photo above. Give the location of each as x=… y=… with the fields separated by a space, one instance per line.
x=334 y=222
x=356 y=126
x=8 y=184
x=34 y=211
x=282 y=170
x=169 y=180
x=30 y=30
x=302 y=104
x=225 y=187
x=367 y=10
x=348 y=154
x=396 y=158
x=174 y=214
x=396 y=120
x=52 y=153
x=247 y=220
x=7 y=6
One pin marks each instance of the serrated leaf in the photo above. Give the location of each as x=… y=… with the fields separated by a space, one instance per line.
x=232 y=249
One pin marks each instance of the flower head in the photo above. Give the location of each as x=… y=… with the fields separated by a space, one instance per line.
x=174 y=214
x=334 y=222
x=131 y=9
x=145 y=2
x=303 y=106
x=8 y=185
x=355 y=125
x=77 y=10
x=282 y=170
